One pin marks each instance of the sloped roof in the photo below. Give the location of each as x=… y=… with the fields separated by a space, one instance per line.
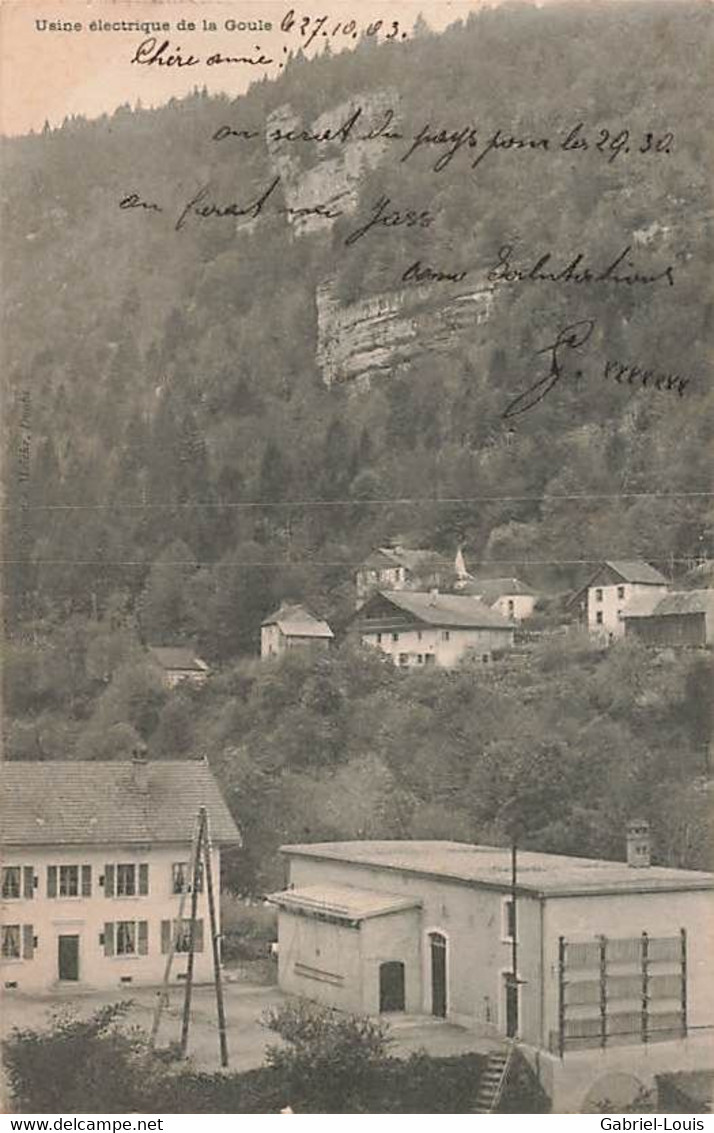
x=636 y=570
x=73 y=803
x=297 y=621
x=342 y=902
x=684 y=602
x=491 y=589
x=445 y=609
x=490 y=866
x=414 y=559
x=177 y=657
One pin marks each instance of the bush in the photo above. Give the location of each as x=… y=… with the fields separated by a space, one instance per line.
x=83 y=1064
x=247 y=929
x=330 y=1059
x=331 y=1063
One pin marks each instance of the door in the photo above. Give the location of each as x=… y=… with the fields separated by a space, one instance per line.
x=438 y=974
x=391 y=986
x=68 y=957
x=511 y=992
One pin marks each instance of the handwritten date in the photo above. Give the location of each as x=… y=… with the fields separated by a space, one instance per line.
x=311 y=28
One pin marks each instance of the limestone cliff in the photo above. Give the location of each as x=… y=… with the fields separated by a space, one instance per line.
x=380 y=334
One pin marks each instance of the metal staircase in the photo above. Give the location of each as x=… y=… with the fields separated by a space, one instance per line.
x=493 y=1080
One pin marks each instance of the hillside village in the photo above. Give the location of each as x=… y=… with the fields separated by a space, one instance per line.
x=420 y=609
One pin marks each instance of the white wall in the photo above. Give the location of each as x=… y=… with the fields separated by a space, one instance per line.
x=614 y=600
x=523 y=606
x=447 y=647
x=86 y=917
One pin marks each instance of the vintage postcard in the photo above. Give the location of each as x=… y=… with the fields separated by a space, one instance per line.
x=357 y=557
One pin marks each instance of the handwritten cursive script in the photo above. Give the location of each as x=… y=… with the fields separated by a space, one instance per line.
x=573 y=338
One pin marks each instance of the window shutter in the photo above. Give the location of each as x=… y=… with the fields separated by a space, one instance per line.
x=143 y=938
x=109 y=881
x=109 y=939
x=165 y=937
x=198 y=936
x=143 y=879
x=86 y=881
x=28 y=882
x=28 y=941
x=52 y=881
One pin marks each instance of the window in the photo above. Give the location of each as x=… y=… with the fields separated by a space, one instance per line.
x=485 y=657
x=379 y=639
x=403 y=659
x=395 y=637
x=126 y=883
x=181 y=879
x=121 y=880
x=429 y=659
x=69 y=881
x=10 y=942
x=180 y=932
x=418 y=635
x=509 y=919
x=598 y=618
x=621 y=592
x=511 y=607
x=126 y=938
x=445 y=635
x=598 y=595
x=420 y=658
x=11 y=881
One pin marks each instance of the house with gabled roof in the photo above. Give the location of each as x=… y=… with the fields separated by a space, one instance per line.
x=95 y=859
x=602 y=601
x=397 y=567
x=293 y=626
x=178 y=664
x=417 y=629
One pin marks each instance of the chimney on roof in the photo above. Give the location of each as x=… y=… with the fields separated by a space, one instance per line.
x=140 y=768
x=638 y=843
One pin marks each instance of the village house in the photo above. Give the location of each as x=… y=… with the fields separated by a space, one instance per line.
x=681 y=618
x=601 y=602
x=94 y=860
x=177 y=665
x=402 y=568
x=419 y=629
x=596 y=967
x=292 y=626
x=509 y=596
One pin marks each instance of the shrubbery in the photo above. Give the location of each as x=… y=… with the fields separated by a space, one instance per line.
x=330 y=1063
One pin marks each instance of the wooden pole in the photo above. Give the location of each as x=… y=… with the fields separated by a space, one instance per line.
x=163 y=998
x=215 y=939
x=192 y=932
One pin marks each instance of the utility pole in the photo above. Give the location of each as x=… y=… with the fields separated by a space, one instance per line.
x=192 y=932
x=163 y=996
x=215 y=938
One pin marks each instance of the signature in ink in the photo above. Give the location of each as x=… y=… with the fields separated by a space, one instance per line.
x=572 y=337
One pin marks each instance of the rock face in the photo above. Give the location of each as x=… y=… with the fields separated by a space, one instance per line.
x=321 y=165
x=327 y=172
x=379 y=335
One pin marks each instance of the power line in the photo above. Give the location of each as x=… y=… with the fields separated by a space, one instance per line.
x=293 y=563
x=381 y=502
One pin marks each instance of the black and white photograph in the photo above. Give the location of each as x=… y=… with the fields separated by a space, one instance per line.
x=357 y=558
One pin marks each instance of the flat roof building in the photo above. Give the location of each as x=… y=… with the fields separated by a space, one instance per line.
x=430 y=928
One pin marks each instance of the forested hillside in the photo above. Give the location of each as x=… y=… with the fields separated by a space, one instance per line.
x=176 y=463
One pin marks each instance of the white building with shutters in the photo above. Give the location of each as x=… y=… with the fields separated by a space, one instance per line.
x=94 y=860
